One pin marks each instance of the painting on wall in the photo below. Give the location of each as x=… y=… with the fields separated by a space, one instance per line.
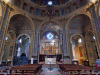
x=81 y=51
x=11 y=51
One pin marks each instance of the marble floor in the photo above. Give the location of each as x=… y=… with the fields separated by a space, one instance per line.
x=53 y=71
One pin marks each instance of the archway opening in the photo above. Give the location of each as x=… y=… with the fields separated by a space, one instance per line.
x=79 y=24
x=91 y=47
x=50 y=49
x=23 y=45
x=78 y=49
x=21 y=24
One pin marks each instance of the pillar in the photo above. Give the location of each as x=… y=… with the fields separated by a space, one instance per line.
x=64 y=40
x=35 y=50
x=64 y=44
x=69 y=46
x=3 y=30
x=96 y=26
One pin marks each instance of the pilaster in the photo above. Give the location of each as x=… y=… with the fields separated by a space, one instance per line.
x=35 y=50
x=64 y=40
x=95 y=26
x=4 y=28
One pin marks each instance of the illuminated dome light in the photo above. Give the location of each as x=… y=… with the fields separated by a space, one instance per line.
x=49 y=36
x=93 y=1
x=79 y=40
x=94 y=37
x=6 y=38
x=20 y=41
x=50 y=3
x=7 y=1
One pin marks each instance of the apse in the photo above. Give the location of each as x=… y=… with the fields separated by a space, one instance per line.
x=50 y=27
x=50 y=42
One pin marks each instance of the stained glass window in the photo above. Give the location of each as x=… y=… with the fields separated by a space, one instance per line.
x=49 y=36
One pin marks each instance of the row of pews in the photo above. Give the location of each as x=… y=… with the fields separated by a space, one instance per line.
x=29 y=69
x=67 y=69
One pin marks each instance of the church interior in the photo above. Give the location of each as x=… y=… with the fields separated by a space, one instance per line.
x=50 y=37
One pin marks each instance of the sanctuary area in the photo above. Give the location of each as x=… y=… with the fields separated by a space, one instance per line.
x=44 y=37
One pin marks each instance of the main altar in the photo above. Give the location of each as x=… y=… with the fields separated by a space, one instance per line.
x=50 y=60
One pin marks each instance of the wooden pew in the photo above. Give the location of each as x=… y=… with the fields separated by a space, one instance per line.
x=37 y=66
x=25 y=69
x=74 y=68
x=22 y=70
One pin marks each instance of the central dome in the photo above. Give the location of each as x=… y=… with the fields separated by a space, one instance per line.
x=52 y=2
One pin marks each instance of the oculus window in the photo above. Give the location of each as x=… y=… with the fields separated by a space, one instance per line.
x=49 y=36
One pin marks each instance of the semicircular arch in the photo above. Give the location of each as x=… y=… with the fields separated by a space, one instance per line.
x=22 y=35
x=30 y=21
x=77 y=34
x=45 y=22
x=70 y=19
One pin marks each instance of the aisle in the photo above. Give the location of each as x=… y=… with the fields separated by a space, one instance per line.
x=54 y=71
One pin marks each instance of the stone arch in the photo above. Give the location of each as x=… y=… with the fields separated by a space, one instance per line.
x=24 y=34
x=75 y=35
x=44 y=22
x=91 y=47
x=24 y=46
x=78 y=48
x=50 y=26
x=69 y=20
x=31 y=23
x=89 y=31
